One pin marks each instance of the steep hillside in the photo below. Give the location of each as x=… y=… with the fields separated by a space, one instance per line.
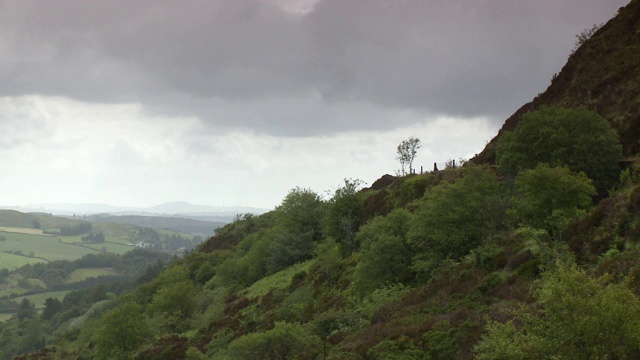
x=603 y=75
x=473 y=262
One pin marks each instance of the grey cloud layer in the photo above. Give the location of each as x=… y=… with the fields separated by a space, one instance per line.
x=303 y=75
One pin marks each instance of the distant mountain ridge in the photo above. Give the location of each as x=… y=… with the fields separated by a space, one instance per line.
x=169 y=208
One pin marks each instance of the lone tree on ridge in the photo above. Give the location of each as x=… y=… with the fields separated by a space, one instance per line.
x=407 y=151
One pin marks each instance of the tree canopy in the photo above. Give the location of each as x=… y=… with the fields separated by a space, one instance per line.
x=578 y=317
x=548 y=197
x=407 y=151
x=577 y=138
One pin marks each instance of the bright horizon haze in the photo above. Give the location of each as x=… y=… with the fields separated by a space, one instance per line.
x=234 y=103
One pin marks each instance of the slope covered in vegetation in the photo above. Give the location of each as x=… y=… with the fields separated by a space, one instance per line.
x=536 y=257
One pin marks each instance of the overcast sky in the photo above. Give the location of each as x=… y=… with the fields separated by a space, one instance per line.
x=234 y=102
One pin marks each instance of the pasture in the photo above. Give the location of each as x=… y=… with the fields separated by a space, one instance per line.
x=12 y=261
x=38 y=299
x=22 y=230
x=47 y=248
x=11 y=286
x=83 y=274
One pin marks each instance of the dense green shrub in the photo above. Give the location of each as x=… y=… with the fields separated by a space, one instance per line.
x=576 y=317
x=385 y=255
x=454 y=218
x=578 y=138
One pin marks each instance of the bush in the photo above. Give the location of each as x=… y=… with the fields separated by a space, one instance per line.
x=385 y=255
x=282 y=342
x=577 y=138
x=453 y=219
x=577 y=317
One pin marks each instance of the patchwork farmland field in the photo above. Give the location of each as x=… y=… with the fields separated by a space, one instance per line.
x=39 y=299
x=12 y=261
x=47 y=248
x=22 y=230
x=83 y=274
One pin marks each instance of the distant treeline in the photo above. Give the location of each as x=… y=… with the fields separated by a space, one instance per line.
x=97 y=238
x=131 y=264
x=74 y=230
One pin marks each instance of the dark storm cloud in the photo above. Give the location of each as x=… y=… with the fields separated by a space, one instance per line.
x=319 y=73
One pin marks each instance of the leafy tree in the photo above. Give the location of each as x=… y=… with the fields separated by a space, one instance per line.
x=342 y=218
x=284 y=341
x=249 y=263
x=78 y=229
x=577 y=138
x=52 y=306
x=385 y=255
x=549 y=197
x=177 y=298
x=27 y=310
x=288 y=249
x=300 y=212
x=407 y=151
x=121 y=330
x=298 y=227
x=454 y=218
x=576 y=317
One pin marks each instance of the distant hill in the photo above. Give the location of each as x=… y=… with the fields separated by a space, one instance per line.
x=190 y=226
x=171 y=208
x=603 y=74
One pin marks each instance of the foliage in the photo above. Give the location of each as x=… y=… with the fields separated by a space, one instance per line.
x=342 y=218
x=585 y=35
x=282 y=342
x=407 y=151
x=26 y=311
x=79 y=229
x=97 y=238
x=577 y=138
x=300 y=213
x=249 y=262
x=576 y=317
x=52 y=306
x=399 y=349
x=385 y=255
x=413 y=188
x=177 y=298
x=453 y=219
x=383 y=296
x=121 y=330
x=549 y=197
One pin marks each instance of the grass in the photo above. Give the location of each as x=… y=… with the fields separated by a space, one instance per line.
x=5 y=317
x=22 y=230
x=38 y=299
x=11 y=286
x=47 y=248
x=12 y=262
x=83 y=274
x=279 y=280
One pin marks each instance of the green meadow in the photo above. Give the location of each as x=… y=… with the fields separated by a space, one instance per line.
x=47 y=248
x=12 y=262
x=38 y=299
x=11 y=286
x=84 y=274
